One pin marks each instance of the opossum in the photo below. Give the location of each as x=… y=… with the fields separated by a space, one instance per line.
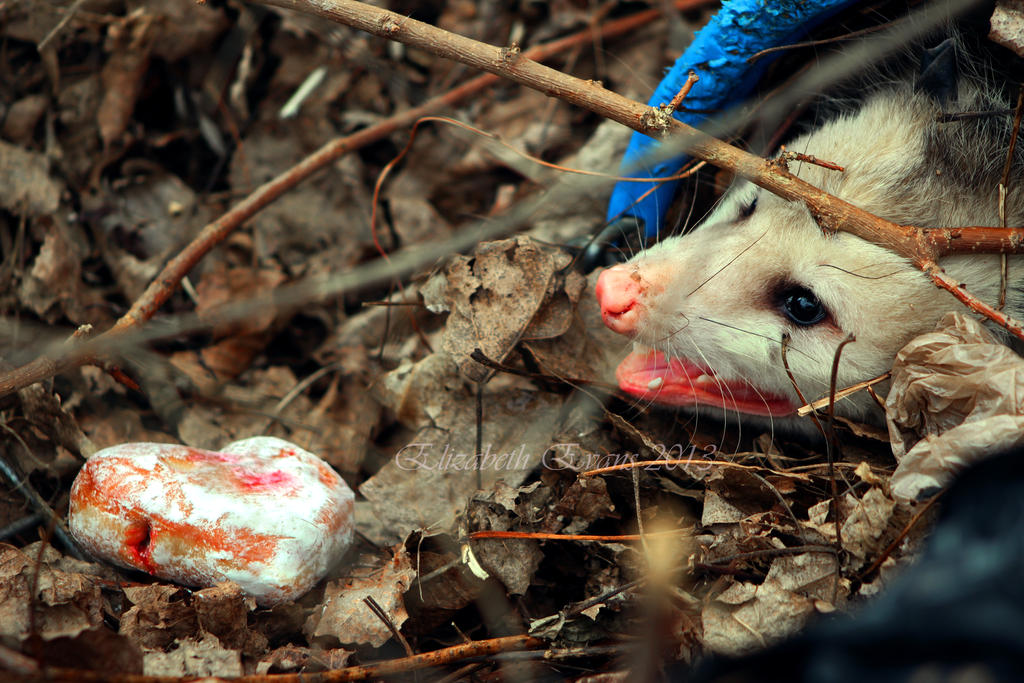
x=714 y=304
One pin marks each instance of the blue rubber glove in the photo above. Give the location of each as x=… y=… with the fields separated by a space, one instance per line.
x=718 y=55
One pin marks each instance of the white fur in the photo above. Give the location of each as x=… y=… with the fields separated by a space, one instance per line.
x=708 y=295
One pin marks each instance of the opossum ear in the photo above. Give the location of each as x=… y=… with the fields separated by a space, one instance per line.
x=939 y=74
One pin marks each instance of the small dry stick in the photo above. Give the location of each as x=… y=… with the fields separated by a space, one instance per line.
x=813 y=43
x=684 y=462
x=365 y=672
x=796 y=387
x=479 y=434
x=1003 y=186
x=833 y=441
x=785 y=156
x=379 y=612
x=899 y=539
x=20 y=482
x=842 y=393
x=878 y=399
x=542 y=536
x=677 y=101
x=484 y=360
x=774 y=552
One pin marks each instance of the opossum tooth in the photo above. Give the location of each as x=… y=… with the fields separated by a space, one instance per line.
x=655 y=383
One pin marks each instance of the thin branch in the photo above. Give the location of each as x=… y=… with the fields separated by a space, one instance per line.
x=379 y=612
x=842 y=393
x=371 y=671
x=68 y=14
x=1003 y=184
x=796 y=387
x=833 y=441
x=543 y=536
x=18 y=481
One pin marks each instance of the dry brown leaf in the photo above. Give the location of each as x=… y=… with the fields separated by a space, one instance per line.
x=20 y=122
x=1008 y=25
x=748 y=617
x=130 y=42
x=15 y=579
x=28 y=188
x=513 y=561
x=559 y=308
x=184 y=27
x=54 y=278
x=437 y=599
x=31 y=21
x=587 y=350
x=426 y=483
x=718 y=510
x=66 y=603
x=223 y=285
x=223 y=611
x=201 y=655
x=159 y=616
x=317 y=228
x=493 y=296
x=347 y=619
x=43 y=408
x=416 y=220
x=867 y=523
x=583 y=503
x=119 y=425
x=155 y=215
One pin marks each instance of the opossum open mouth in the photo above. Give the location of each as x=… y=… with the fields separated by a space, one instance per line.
x=680 y=382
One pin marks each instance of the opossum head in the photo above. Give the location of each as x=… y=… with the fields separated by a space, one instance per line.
x=711 y=308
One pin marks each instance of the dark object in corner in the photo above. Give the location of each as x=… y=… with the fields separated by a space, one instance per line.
x=956 y=615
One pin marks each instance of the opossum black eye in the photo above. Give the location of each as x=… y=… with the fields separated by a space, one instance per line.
x=802 y=307
x=748 y=208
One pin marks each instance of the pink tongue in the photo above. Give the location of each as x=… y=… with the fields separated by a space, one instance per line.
x=637 y=376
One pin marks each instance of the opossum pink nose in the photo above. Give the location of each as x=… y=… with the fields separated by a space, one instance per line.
x=619 y=291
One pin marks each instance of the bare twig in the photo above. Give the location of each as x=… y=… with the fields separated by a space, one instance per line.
x=18 y=481
x=68 y=14
x=814 y=43
x=375 y=670
x=774 y=552
x=1003 y=185
x=833 y=442
x=842 y=393
x=796 y=387
x=677 y=101
x=379 y=612
x=21 y=526
x=671 y=462
x=889 y=549
x=785 y=156
x=544 y=536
